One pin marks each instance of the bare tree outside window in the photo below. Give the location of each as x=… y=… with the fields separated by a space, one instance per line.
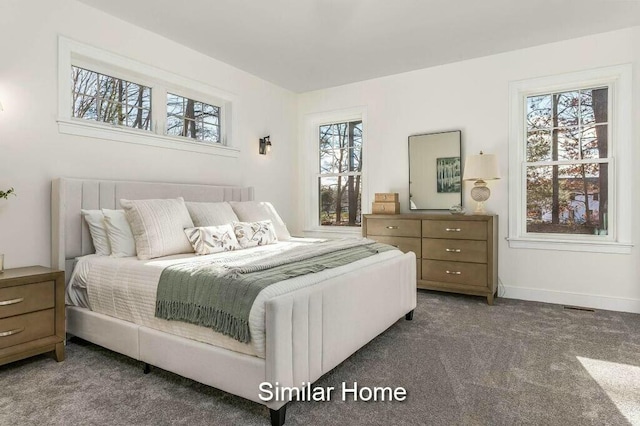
x=567 y=162
x=340 y=173
x=99 y=97
x=192 y=119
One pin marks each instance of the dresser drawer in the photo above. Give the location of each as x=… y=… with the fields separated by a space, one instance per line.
x=394 y=227
x=456 y=250
x=472 y=274
x=26 y=298
x=26 y=327
x=454 y=229
x=405 y=244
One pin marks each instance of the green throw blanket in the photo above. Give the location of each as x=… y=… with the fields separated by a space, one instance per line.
x=219 y=296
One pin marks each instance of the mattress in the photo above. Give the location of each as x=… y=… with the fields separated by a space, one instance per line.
x=125 y=288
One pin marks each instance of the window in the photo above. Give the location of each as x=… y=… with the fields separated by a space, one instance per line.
x=192 y=119
x=99 y=97
x=340 y=173
x=570 y=167
x=112 y=98
x=567 y=161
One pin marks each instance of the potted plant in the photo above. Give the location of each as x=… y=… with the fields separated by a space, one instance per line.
x=5 y=194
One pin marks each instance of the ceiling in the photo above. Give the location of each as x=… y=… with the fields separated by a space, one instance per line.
x=304 y=45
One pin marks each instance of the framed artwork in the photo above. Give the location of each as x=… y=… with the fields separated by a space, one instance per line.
x=448 y=175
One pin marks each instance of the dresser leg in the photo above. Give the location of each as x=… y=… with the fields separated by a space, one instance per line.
x=59 y=352
x=490 y=299
x=409 y=315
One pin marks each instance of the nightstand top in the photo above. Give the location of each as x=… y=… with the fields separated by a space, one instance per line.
x=26 y=272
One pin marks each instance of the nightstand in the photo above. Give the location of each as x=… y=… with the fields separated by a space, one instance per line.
x=32 y=313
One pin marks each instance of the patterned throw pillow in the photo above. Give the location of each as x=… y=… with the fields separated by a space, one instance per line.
x=251 y=234
x=212 y=239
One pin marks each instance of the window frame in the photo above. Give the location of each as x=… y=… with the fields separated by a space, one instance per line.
x=313 y=122
x=320 y=175
x=219 y=116
x=618 y=239
x=71 y=52
x=102 y=100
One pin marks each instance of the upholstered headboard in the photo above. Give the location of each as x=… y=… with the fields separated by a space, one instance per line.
x=70 y=236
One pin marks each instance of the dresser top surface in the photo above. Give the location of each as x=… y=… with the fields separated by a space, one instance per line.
x=432 y=216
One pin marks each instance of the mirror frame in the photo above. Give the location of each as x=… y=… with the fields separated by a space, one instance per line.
x=434 y=198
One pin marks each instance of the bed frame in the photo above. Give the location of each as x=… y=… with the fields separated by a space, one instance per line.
x=308 y=332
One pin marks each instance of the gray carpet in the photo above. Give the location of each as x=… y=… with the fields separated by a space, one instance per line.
x=461 y=361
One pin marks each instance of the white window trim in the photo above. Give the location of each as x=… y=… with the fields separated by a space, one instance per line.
x=619 y=80
x=311 y=159
x=71 y=52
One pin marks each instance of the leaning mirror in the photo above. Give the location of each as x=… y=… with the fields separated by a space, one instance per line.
x=435 y=173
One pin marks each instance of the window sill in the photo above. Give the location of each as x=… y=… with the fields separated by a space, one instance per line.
x=118 y=134
x=565 y=245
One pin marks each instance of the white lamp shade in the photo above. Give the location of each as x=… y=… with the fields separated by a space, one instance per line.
x=481 y=167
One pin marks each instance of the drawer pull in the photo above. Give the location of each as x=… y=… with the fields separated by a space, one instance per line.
x=12 y=301
x=453 y=250
x=452 y=229
x=392 y=227
x=454 y=272
x=11 y=332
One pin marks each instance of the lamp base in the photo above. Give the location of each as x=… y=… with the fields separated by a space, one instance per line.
x=480 y=193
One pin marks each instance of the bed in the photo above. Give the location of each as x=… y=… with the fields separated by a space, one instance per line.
x=306 y=332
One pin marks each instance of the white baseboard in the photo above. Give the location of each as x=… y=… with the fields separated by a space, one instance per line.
x=574 y=299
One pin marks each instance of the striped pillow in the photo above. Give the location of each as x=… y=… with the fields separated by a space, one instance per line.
x=158 y=226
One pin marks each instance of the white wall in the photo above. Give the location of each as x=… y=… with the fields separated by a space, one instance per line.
x=32 y=152
x=473 y=96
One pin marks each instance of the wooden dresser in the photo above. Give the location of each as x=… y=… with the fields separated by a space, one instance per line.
x=455 y=253
x=32 y=313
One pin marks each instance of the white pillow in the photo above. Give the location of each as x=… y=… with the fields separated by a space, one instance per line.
x=212 y=239
x=119 y=233
x=211 y=214
x=254 y=211
x=98 y=231
x=251 y=234
x=158 y=226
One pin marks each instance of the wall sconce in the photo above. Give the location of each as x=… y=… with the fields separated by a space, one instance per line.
x=265 y=145
x=481 y=168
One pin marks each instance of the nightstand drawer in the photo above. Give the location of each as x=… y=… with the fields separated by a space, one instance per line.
x=26 y=298
x=454 y=229
x=26 y=327
x=456 y=250
x=405 y=244
x=393 y=227
x=473 y=274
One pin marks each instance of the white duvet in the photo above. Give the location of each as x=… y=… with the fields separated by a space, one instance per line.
x=125 y=288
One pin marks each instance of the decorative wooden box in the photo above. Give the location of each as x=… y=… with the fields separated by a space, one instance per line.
x=386 y=197
x=386 y=203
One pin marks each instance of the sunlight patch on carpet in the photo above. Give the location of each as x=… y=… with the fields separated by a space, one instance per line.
x=621 y=383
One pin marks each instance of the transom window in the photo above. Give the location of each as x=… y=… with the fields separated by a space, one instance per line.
x=567 y=162
x=340 y=173
x=100 y=97
x=192 y=119
x=112 y=98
